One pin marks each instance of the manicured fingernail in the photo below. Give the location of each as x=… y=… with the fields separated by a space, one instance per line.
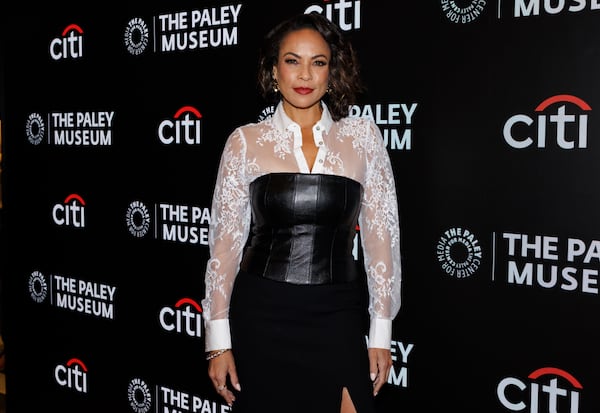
x=373 y=375
x=237 y=387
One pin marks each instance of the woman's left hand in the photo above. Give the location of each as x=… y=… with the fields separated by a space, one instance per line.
x=380 y=364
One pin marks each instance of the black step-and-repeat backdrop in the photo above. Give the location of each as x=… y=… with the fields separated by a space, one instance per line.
x=114 y=121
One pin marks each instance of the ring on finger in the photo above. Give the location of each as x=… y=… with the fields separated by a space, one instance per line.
x=221 y=388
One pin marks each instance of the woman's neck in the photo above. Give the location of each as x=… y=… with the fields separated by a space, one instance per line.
x=305 y=117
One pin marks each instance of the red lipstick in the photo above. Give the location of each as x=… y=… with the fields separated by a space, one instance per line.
x=303 y=90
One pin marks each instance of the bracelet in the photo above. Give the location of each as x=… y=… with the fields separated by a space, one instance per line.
x=216 y=353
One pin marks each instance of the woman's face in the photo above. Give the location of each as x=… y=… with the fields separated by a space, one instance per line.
x=302 y=69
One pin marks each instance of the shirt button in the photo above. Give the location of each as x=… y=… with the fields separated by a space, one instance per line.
x=320 y=160
x=318 y=128
x=320 y=143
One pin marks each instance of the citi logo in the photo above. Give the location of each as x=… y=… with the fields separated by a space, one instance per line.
x=69 y=44
x=346 y=14
x=70 y=213
x=184 y=318
x=548 y=390
x=560 y=120
x=72 y=375
x=185 y=127
x=356 y=244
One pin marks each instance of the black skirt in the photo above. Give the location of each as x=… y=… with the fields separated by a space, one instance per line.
x=297 y=346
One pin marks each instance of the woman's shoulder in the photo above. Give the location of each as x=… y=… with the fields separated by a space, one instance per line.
x=363 y=120
x=249 y=132
x=358 y=121
x=358 y=124
x=254 y=126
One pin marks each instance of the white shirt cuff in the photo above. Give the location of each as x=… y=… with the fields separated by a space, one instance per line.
x=380 y=333
x=217 y=335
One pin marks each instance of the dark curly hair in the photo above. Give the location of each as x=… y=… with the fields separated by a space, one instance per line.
x=344 y=75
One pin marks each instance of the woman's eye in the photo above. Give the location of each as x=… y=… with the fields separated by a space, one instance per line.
x=320 y=63
x=291 y=61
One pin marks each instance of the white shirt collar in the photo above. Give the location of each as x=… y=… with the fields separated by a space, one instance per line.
x=282 y=121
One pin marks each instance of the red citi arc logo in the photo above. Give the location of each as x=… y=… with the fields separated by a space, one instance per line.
x=184 y=127
x=550 y=390
x=69 y=45
x=564 y=128
x=70 y=213
x=184 y=318
x=72 y=375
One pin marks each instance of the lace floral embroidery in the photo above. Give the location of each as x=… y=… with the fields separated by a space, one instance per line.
x=382 y=284
x=383 y=205
x=230 y=199
x=282 y=141
x=334 y=163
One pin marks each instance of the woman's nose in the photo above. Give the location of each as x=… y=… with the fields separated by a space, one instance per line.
x=305 y=74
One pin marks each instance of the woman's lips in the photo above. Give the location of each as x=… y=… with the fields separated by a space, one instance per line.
x=303 y=90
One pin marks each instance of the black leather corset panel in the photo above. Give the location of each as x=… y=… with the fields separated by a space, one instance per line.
x=303 y=228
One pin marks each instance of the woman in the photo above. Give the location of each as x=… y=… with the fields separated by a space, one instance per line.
x=284 y=306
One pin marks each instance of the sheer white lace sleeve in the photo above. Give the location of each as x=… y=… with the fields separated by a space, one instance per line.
x=230 y=221
x=380 y=237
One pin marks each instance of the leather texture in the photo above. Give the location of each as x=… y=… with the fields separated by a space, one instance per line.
x=303 y=228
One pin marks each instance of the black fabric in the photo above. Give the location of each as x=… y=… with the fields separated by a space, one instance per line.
x=303 y=228
x=299 y=343
x=297 y=346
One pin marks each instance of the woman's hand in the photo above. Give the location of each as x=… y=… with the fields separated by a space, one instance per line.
x=218 y=369
x=380 y=364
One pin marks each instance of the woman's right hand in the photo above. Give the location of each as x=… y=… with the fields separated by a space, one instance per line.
x=219 y=368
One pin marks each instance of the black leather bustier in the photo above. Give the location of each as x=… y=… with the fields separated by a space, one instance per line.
x=303 y=227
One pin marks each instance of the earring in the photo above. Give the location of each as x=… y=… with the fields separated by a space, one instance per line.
x=275 y=86
x=328 y=88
